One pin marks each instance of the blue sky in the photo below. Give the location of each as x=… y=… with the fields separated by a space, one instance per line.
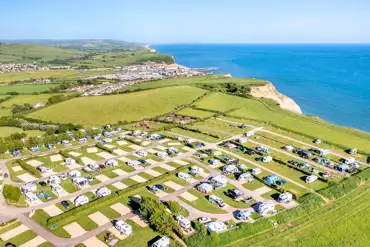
x=189 y=21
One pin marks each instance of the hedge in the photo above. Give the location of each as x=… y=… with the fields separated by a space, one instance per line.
x=76 y=212
x=30 y=169
x=101 y=146
x=347 y=185
x=11 y=192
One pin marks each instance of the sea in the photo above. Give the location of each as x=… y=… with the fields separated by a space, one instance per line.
x=328 y=81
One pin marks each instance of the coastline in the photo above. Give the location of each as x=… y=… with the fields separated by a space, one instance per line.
x=265 y=91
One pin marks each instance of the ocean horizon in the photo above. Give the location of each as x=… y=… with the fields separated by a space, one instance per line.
x=331 y=81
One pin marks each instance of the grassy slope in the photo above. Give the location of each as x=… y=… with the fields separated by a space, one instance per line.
x=22 y=99
x=194 y=80
x=254 y=109
x=28 y=53
x=26 y=89
x=6 y=131
x=110 y=109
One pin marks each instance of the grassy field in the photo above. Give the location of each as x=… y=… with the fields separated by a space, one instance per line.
x=28 y=53
x=208 y=79
x=30 y=99
x=110 y=109
x=254 y=109
x=342 y=223
x=195 y=113
x=26 y=89
x=6 y=131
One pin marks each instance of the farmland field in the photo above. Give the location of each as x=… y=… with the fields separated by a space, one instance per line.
x=6 y=131
x=254 y=109
x=26 y=89
x=195 y=113
x=100 y=110
x=30 y=99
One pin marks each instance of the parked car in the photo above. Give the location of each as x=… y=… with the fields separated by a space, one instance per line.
x=101 y=166
x=153 y=189
x=142 y=162
x=42 y=183
x=251 y=152
x=47 y=196
x=204 y=220
x=161 y=187
x=65 y=204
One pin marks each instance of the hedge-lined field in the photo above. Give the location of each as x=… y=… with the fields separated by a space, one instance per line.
x=100 y=110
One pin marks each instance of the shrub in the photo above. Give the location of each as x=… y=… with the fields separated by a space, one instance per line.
x=30 y=169
x=11 y=192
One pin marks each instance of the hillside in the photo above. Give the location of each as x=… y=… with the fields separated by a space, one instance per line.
x=29 y=53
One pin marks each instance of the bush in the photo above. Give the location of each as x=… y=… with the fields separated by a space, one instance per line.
x=11 y=192
x=175 y=207
x=30 y=169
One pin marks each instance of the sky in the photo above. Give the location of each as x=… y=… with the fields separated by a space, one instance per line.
x=189 y=21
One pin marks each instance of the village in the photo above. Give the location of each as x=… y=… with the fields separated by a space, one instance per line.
x=238 y=180
x=16 y=67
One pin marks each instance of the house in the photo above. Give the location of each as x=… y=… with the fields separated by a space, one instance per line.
x=184 y=176
x=266 y=208
x=267 y=159
x=216 y=226
x=103 y=191
x=142 y=153
x=242 y=140
x=57 y=189
x=205 y=188
x=53 y=180
x=249 y=133
x=311 y=179
x=32 y=198
x=162 y=242
x=81 y=200
x=183 y=222
x=216 y=200
x=230 y=169
x=123 y=227
x=272 y=179
x=285 y=197
x=74 y=174
x=219 y=181
x=246 y=177
x=29 y=187
x=111 y=163
x=256 y=171
x=342 y=168
x=162 y=155
x=172 y=150
x=352 y=151
x=70 y=161
x=44 y=169
x=134 y=163
x=80 y=182
x=196 y=171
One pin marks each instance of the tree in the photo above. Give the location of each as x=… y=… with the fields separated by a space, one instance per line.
x=175 y=207
x=3 y=148
x=11 y=192
x=203 y=230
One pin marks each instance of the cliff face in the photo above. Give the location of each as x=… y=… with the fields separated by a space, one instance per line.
x=269 y=91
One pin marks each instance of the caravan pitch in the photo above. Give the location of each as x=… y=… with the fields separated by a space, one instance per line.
x=99 y=218
x=74 y=229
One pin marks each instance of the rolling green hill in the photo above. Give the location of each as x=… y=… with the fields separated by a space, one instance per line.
x=28 y=53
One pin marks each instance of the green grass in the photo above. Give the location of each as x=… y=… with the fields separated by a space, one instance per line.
x=203 y=204
x=20 y=239
x=267 y=112
x=110 y=109
x=195 y=113
x=140 y=237
x=6 y=131
x=26 y=89
x=198 y=136
x=254 y=185
x=30 y=99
